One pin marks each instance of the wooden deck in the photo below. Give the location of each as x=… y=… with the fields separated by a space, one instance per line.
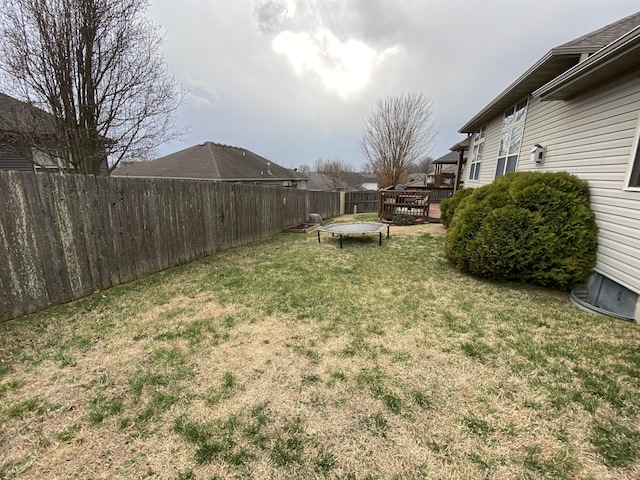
x=434 y=212
x=417 y=203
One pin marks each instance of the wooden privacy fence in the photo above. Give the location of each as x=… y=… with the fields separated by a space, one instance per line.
x=364 y=202
x=67 y=236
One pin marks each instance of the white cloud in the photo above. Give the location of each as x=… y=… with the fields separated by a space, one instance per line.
x=200 y=93
x=342 y=67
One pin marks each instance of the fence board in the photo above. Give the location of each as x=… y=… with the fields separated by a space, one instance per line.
x=91 y=219
x=54 y=264
x=9 y=268
x=81 y=234
x=34 y=292
x=104 y=244
x=41 y=246
x=4 y=305
x=125 y=233
x=144 y=234
x=112 y=221
x=153 y=226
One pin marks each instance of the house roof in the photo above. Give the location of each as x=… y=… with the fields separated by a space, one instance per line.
x=617 y=58
x=23 y=117
x=367 y=178
x=318 y=181
x=450 y=158
x=461 y=145
x=593 y=41
x=554 y=63
x=212 y=161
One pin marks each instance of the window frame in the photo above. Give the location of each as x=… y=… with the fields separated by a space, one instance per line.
x=477 y=153
x=632 y=179
x=44 y=161
x=513 y=120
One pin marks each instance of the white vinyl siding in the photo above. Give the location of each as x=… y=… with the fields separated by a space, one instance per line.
x=593 y=136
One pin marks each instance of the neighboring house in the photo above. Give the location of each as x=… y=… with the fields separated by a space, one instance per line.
x=577 y=110
x=351 y=181
x=213 y=161
x=319 y=181
x=25 y=133
x=418 y=178
x=441 y=175
x=369 y=181
x=28 y=138
x=445 y=170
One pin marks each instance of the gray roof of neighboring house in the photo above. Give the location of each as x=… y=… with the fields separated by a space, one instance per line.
x=450 y=158
x=557 y=61
x=210 y=161
x=368 y=178
x=318 y=181
x=19 y=116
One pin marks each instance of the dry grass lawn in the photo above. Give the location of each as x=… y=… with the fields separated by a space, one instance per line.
x=293 y=359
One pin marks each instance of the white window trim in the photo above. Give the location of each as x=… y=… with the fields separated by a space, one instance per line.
x=44 y=161
x=478 y=141
x=511 y=127
x=634 y=158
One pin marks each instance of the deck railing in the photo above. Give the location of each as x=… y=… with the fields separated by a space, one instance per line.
x=408 y=202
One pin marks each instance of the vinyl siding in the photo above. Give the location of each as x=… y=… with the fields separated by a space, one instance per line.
x=592 y=136
x=11 y=159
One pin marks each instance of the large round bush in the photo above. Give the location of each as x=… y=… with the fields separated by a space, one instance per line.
x=528 y=227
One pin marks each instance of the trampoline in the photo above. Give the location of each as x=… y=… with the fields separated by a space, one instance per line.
x=354 y=228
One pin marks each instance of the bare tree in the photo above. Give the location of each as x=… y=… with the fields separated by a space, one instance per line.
x=340 y=174
x=422 y=166
x=304 y=168
x=366 y=168
x=96 y=67
x=398 y=132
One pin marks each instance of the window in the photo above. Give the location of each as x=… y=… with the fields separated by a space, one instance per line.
x=476 y=153
x=480 y=133
x=43 y=160
x=634 y=179
x=511 y=139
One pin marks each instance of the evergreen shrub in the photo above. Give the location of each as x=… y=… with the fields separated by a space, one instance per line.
x=448 y=206
x=403 y=219
x=528 y=227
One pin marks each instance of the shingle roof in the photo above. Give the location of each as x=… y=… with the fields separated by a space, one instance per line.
x=318 y=181
x=617 y=58
x=604 y=36
x=18 y=116
x=450 y=158
x=210 y=161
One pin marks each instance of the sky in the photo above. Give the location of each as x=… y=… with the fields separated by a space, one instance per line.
x=293 y=80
